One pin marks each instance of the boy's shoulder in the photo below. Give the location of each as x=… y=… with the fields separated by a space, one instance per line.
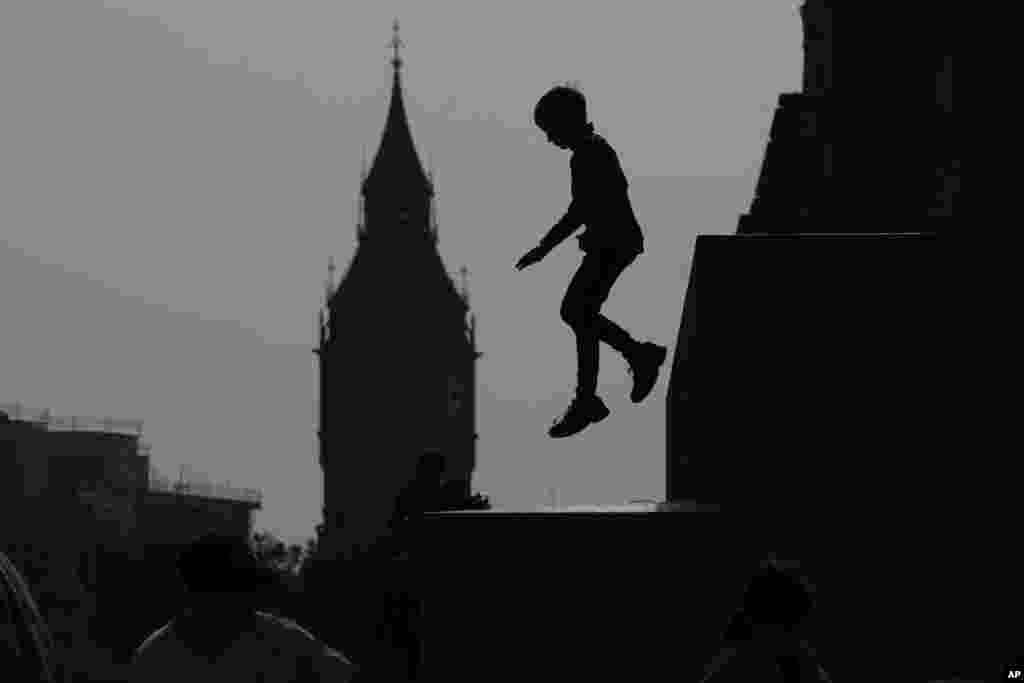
x=595 y=148
x=595 y=142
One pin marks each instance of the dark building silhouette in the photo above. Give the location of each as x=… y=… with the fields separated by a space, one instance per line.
x=27 y=646
x=822 y=383
x=820 y=319
x=63 y=471
x=576 y=595
x=93 y=518
x=397 y=352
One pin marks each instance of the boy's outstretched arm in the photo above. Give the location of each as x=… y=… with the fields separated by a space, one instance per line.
x=566 y=225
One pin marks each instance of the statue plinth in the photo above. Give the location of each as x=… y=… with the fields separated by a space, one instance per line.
x=567 y=586
x=817 y=366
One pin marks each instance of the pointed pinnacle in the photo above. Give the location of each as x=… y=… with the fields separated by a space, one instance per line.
x=396 y=43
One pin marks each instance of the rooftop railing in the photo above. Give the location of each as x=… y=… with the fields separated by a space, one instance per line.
x=204 y=489
x=194 y=485
x=43 y=418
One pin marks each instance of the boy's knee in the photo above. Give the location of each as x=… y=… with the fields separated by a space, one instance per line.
x=578 y=315
x=573 y=314
x=567 y=312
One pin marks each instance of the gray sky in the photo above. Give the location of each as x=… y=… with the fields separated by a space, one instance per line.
x=168 y=210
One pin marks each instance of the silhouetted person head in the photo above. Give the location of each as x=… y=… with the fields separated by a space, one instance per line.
x=764 y=640
x=775 y=602
x=224 y=582
x=430 y=467
x=222 y=635
x=562 y=114
x=221 y=572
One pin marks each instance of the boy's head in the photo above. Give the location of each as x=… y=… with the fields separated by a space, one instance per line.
x=562 y=114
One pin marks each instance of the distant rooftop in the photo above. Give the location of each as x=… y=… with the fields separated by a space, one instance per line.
x=45 y=420
x=652 y=506
x=198 y=486
x=194 y=485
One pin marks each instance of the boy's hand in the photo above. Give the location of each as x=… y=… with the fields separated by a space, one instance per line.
x=531 y=257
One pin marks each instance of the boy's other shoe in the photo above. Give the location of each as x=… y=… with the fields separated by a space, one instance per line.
x=644 y=365
x=583 y=412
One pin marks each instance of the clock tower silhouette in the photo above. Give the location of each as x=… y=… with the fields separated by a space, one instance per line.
x=397 y=352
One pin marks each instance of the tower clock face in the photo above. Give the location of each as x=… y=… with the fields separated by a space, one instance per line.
x=456 y=394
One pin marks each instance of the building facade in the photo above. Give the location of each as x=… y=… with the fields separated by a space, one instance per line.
x=87 y=480
x=85 y=517
x=396 y=351
x=817 y=392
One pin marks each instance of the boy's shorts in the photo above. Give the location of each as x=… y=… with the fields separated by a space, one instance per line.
x=588 y=244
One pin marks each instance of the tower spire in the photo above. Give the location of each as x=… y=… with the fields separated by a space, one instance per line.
x=396 y=163
x=395 y=43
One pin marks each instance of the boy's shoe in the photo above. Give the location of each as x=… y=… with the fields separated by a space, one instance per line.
x=644 y=366
x=583 y=411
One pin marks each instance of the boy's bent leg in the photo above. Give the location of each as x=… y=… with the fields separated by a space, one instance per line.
x=644 y=359
x=580 y=308
x=645 y=365
x=614 y=336
x=588 y=359
x=613 y=264
x=587 y=407
x=588 y=292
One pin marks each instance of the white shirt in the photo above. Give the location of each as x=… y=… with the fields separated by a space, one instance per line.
x=278 y=650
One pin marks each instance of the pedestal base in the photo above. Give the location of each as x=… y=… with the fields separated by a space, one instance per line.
x=576 y=596
x=816 y=376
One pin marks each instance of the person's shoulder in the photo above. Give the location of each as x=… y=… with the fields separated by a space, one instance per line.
x=299 y=639
x=153 y=642
x=593 y=150
x=592 y=142
x=283 y=627
x=600 y=143
x=598 y=151
x=160 y=635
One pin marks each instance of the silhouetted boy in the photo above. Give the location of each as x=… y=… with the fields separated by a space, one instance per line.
x=610 y=243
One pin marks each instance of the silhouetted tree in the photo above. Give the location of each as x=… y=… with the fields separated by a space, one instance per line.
x=283 y=559
x=285 y=562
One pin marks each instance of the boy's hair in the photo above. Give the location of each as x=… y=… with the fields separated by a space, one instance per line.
x=563 y=105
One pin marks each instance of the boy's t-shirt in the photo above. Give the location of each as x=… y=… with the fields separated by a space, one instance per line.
x=600 y=198
x=278 y=649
